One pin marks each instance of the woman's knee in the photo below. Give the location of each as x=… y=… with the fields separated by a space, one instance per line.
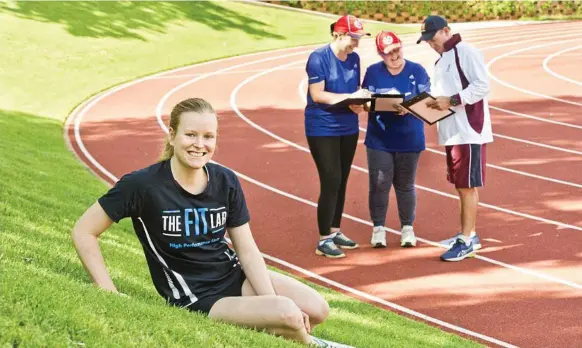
x=404 y=188
x=289 y=314
x=331 y=182
x=319 y=312
x=380 y=179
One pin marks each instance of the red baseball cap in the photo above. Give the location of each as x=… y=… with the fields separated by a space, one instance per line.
x=350 y=25
x=386 y=41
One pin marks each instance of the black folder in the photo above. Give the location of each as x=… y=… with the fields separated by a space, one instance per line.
x=343 y=106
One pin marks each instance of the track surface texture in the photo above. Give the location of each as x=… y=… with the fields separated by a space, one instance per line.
x=525 y=286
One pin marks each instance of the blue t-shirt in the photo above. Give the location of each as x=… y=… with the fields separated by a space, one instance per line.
x=388 y=131
x=339 y=77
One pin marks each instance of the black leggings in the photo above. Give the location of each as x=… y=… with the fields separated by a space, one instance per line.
x=333 y=156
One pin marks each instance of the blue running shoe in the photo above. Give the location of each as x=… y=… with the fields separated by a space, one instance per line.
x=448 y=243
x=326 y=247
x=459 y=251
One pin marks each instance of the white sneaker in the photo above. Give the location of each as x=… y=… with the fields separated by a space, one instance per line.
x=378 y=237
x=407 y=238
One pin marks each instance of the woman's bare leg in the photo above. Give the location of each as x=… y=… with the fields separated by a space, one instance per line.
x=278 y=315
x=306 y=298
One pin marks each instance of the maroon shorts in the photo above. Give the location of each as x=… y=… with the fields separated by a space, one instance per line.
x=466 y=165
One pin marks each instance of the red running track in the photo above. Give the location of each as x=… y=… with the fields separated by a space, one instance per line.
x=525 y=286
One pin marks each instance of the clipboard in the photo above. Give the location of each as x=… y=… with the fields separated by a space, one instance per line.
x=385 y=102
x=343 y=105
x=417 y=107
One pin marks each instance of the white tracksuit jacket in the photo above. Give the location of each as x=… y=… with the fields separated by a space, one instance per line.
x=461 y=70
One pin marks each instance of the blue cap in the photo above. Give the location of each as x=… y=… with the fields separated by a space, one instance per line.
x=430 y=26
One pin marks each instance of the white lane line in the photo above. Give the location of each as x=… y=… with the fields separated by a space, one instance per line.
x=555 y=74
x=78 y=117
x=569 y=125
x=540 y=144
x=217 y=72
x=241 y=72
x=426 y=241
x=526 y=91
x=542 y=55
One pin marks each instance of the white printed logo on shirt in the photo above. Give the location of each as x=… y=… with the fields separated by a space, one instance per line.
x=388 y=91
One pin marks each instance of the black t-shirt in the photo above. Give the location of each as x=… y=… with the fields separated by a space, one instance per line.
x=182 y=234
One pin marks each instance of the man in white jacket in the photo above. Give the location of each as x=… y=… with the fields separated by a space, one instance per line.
x=461 y=82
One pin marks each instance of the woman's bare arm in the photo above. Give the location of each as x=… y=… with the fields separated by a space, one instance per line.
x=85 y=234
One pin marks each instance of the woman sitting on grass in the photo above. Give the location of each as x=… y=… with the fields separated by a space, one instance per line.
x=181 y=208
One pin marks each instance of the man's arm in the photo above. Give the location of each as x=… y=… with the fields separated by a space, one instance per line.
x=473 y=65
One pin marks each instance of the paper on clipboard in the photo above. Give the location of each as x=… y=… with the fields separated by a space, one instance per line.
x=385 y=102
x=417 y=107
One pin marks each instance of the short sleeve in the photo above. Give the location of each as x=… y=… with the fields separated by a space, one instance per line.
x=366 y=82
x=315 y=69
x=422 y=80
x=123 y=199
x=238 y=213
x=358 y=69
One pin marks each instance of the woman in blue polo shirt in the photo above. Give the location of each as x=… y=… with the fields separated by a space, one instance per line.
x=333 y=75
x=394 y=140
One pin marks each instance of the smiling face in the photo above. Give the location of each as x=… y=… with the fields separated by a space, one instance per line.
x=394 y=59
x=194 y=140
x=347 y=43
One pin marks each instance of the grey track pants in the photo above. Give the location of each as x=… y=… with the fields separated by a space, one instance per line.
x=387 y=169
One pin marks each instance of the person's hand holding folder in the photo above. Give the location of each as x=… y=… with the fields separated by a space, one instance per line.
x=439 y=103
x=428 y=108
x=400 y=110
x=354 y=101
x=360 y=93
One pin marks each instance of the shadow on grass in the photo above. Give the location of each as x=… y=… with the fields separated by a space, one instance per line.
x=129 y=20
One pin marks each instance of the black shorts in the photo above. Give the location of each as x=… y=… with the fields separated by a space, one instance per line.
x=204 y=304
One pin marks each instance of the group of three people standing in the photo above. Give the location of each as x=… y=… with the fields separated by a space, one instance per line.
x=395 y=140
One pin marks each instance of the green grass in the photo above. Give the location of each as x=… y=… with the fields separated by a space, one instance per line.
x=54 y=56
x=71 y=52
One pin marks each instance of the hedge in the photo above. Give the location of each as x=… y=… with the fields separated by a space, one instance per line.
x=455 y=11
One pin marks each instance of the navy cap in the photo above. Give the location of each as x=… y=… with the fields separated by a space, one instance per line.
x=430 y=26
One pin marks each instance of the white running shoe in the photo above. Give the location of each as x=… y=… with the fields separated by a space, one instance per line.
x=378 y=237
x=407 y=238
x=318 y=342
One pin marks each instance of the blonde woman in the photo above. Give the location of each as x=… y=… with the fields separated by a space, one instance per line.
x=181 y=208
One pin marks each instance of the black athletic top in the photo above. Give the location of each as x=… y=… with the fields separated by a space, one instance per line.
x=182 y=234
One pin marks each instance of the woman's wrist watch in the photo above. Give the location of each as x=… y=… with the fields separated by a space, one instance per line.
x=455 y=100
